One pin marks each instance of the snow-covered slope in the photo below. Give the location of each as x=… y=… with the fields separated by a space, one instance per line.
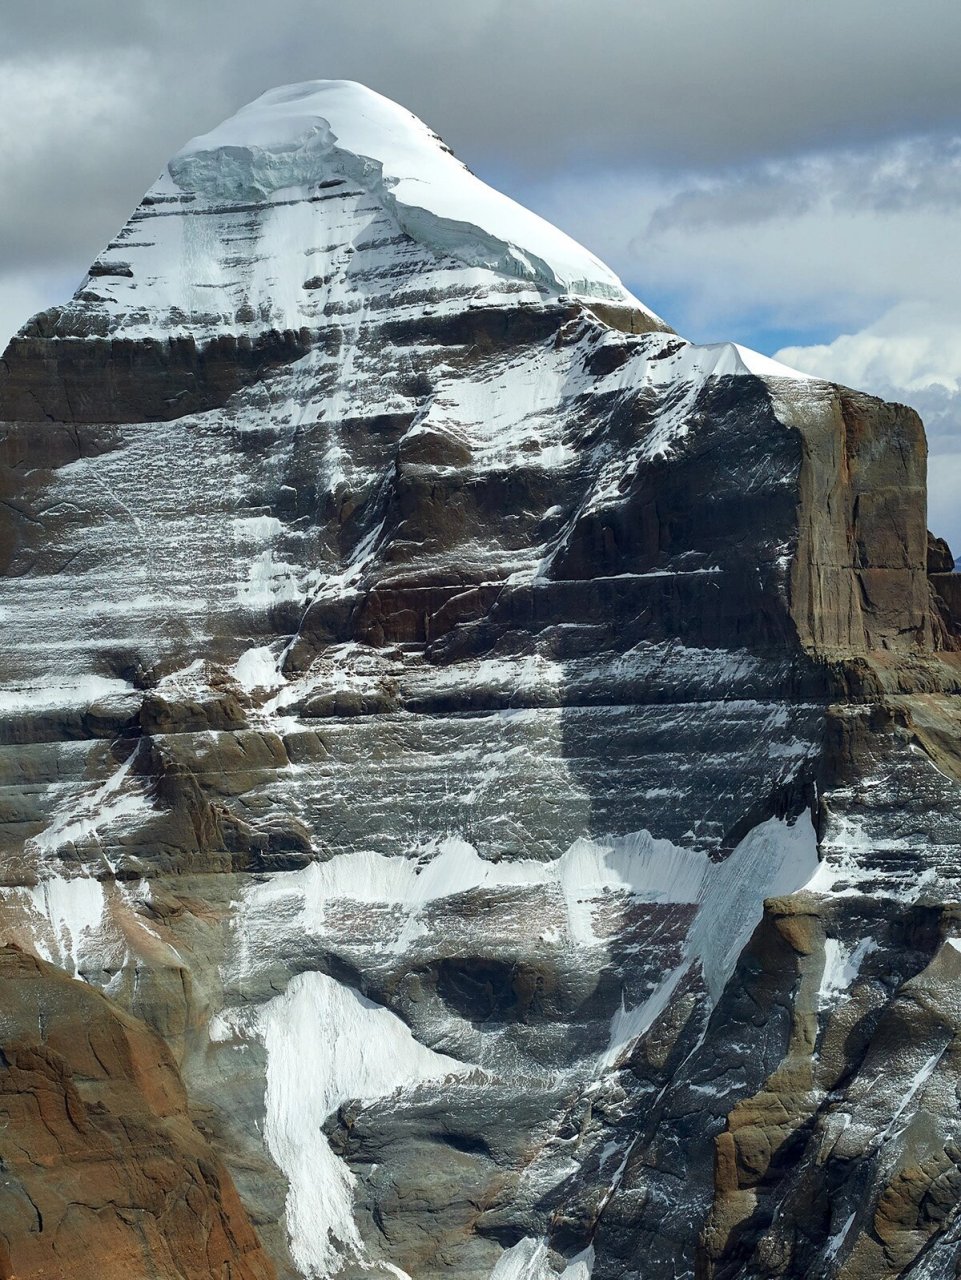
x=303 y=135
x=478 y=729
x=255 y=225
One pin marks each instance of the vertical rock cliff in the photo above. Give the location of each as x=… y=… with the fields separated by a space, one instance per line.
x=488 y=769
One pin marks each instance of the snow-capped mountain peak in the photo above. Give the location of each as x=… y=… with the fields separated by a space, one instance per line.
x=497 y=760
x=321 y=130
x=306 y=134
x=320 y=199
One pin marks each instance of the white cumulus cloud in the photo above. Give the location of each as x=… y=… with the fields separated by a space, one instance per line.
x=911 y=347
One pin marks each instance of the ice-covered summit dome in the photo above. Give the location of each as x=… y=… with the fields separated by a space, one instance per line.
x=306 y=134
x=321 y=206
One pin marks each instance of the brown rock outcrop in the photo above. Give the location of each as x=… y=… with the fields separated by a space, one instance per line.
x=859 y=578
x=104 y=1173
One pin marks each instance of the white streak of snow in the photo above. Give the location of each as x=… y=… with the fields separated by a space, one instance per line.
x=326 y=1044
x=74 y=910
x=841 y=968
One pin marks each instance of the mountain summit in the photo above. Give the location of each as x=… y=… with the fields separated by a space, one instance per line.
x=481 y=776
x=230 y=236
x=308 y=137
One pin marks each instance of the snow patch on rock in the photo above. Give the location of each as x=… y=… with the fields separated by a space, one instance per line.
x=326 y=1044
x=529 y=1259
x=773 y=859
x=73 y=910
x=841 y=968
x=72 y=691
x=646 y=868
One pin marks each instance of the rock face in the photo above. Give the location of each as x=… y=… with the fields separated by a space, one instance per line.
x=507 y=755
x=104 y=1174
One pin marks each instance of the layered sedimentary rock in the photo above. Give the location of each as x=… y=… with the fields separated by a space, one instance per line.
x=104 y=1173
x=507 y=754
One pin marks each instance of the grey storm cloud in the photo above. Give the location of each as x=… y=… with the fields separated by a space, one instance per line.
x=917 y=175
x=108 y=89
x=689 y=81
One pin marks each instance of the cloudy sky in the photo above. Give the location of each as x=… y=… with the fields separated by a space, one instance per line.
x=786 y=173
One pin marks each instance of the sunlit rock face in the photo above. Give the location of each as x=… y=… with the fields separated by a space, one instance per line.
x=508 y=753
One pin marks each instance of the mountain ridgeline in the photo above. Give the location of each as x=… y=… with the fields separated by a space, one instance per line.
x=481 y=775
